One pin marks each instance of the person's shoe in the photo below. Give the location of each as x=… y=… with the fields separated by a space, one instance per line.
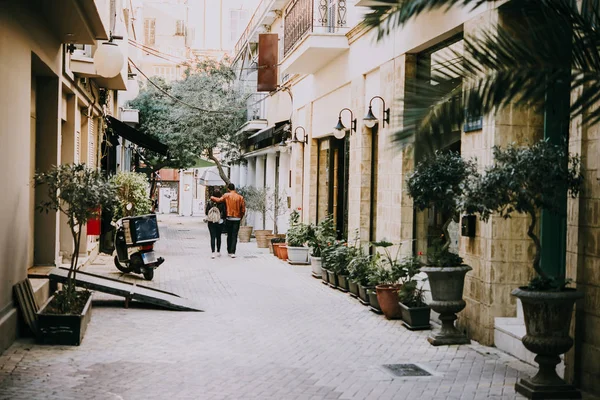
x=233 y=256
x=218 y=254
x=213 y=255
x=230 y=255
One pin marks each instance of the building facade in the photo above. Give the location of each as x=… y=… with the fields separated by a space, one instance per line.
x=331 y=68
x=55 y=114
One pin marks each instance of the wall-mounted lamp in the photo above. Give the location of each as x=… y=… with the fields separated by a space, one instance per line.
x=339 y=131
x=285 y=135
x=370 y=120
x=108 y=58
x=300 y=137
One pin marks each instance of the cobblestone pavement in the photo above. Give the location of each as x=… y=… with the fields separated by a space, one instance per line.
x=269 y=331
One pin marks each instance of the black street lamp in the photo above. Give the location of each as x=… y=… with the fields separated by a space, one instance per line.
x=370 y=120
x=339 y=131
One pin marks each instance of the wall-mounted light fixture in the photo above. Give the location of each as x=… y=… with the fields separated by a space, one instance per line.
x=339 y=131
x=108 y=58
x=300 y=137
x=370 y=120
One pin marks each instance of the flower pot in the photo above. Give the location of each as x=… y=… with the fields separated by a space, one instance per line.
x=353 y=288
x=270 y=244
x=373 y=302
x=387 y=296
x=244 y=234
x=446 y=292
x=298 y=255
x=547 y=322
x=261 y=238
x=63 y=329
x=333 y=282
x=363 y=293
x=324 y=275
x=277 y=248
x=342 y=282
x=416 y=318
x=283 y=252
x=315 y=263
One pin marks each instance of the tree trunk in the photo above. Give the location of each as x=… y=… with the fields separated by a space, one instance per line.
x=222 y=174
x=538 y=246
x=446 y=233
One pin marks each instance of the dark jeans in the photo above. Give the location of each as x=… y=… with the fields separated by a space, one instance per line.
x=215 y=235
x=233 y=227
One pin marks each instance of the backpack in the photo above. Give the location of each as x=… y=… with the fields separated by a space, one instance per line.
x=214 y=215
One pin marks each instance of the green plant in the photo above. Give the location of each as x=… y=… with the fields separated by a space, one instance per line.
x=387 y=262
x=361 y=266
x=525 y=180
x=131 y=187
x=438 y=255
x=78 y=192
x=278 y=240
x=335 y=256
x=410 y=294
x=298 y=232
x=320 y=235
x=256 y=200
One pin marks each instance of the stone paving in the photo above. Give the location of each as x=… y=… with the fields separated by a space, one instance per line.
x=269 y=331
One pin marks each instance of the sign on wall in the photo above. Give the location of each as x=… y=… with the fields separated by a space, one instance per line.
x=267 y=62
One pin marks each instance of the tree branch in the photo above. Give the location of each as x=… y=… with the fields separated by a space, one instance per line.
x=222 y=174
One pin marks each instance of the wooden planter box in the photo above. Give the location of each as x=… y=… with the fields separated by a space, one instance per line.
x=416 y=318
x=63 y=329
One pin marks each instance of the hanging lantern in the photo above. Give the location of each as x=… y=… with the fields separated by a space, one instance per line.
x=108 y=60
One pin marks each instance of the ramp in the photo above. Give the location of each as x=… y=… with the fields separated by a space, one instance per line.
x=130 y=291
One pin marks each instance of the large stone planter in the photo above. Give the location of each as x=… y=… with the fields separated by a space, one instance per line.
x=244 y=234
x=315 y=263
x=298 y=255
x=547 y=322
x=446 y=291
x=387 y=297
x=261 y=238
x=63 y=329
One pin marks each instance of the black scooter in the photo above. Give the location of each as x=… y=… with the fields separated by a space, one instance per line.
x=138 y=233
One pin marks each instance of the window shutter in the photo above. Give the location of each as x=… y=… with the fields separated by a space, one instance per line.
x=91 y=143
x=77 y=147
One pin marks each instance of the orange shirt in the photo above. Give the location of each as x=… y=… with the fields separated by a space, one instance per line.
x=236 y=205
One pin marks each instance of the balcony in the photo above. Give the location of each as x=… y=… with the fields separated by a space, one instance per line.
x=314 y=34
x=81 y=63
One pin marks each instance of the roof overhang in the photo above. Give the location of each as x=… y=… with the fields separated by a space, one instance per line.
x=253 y=126
x=136 y=137
x=74 y=21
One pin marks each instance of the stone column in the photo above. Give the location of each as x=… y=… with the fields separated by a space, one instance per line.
x=285 y=191
x=243 y=174
x=251 y=171
x=259 y=182
x=235 y=174
x=270 y=184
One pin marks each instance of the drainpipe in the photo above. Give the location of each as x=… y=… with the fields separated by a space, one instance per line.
x=372 y=188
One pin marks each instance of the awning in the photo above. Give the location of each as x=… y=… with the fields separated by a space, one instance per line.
x=137 y=137
x=267 y=133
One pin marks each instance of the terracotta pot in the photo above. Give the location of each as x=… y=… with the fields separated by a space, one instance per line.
x=387 y=296
x=548 y=322
x=446 y=292
x=283 y=252
x=244 y=234
x=276 y=247
x=270 y=244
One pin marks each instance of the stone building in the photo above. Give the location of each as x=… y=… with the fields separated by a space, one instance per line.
x=53 y=112
x=333 y=69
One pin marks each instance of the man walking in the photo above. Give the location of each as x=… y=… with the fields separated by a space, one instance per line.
x=236 y=208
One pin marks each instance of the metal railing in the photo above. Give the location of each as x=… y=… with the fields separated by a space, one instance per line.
x=260 y=10
x=301 y=18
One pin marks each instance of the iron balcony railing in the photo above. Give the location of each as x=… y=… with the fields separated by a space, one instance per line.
x=304 y=16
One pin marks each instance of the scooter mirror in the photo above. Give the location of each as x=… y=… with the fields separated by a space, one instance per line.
x=129 y=206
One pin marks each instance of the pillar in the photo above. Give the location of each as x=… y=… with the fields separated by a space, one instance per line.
x=271 y=186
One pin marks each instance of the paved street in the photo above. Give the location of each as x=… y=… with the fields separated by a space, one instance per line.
x=269 y=331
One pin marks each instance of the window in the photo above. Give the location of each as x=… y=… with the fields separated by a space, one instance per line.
x=238 y=19
x=149 y=31
x=180 y=28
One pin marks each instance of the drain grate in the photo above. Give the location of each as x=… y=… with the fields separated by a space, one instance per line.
x=406 y=370
x=250 y=257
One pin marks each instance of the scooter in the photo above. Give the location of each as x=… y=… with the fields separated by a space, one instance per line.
x=134 y=244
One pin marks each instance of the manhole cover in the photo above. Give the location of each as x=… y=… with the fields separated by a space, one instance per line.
x=406 y=370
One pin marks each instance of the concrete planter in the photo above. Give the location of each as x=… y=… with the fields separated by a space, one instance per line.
x=315 y=263
x=446 y=291
x=416 y=318
x=244 y=234
x=298 y=255
x=363 y=294
x=547 y=321
x=342 y=282
x=353 y=288
x=332 y=278
x=324 y=275
x=63 y=329
x=373 y=302
x=261 y=238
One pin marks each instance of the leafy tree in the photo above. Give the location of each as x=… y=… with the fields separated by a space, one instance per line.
x=132 y=187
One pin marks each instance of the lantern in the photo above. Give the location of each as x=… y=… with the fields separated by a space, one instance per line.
x=108 y=60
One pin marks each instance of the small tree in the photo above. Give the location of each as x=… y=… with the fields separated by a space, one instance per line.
x=439 y=182
x=131 y=187
x=525 y=180
x=298 y=232
x=79 y=193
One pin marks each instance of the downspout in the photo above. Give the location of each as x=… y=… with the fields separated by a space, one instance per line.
x=374 y=132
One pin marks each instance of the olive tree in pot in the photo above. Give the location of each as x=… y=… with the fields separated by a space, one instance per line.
x=297 y=236
x=78 y=192
x=415 y=312
x=318 y=237
x=527 y=180
x=439 y=182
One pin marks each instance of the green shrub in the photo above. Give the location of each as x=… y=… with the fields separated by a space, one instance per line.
x=132 y=187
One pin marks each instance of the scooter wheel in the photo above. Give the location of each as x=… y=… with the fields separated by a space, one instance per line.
x=122 y=267
x=149 y=274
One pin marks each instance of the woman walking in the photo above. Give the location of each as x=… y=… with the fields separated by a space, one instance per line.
x=215 y=215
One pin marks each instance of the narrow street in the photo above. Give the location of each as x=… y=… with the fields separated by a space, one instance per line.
x=269 y=331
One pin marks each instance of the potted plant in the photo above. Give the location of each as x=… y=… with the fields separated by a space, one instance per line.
x=276 y=244
x=527 y=180
x=415 y=312
x=77 y=192
x=358 y=273
x=318 y=237
x=377 y=275
x=297 y=236
x=387 y=275
x=439 y=182
x=330 y=255
x=248 y=193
